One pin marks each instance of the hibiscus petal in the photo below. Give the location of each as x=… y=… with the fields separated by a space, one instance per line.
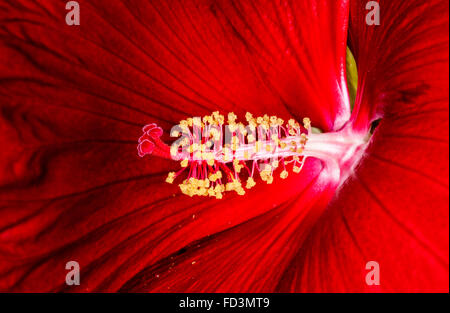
x=247 y=258
x=395 y=207
x=74 y=100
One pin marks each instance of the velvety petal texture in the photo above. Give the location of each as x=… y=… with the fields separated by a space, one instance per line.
x=74 y=99
x=394 y=208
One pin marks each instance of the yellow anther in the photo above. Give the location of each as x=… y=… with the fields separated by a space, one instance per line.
x=246 y=154
x=196 y=121
x=282 y=145
x=284 y=174
x=207 y=119
x=273 y=120
x=296 y=169
x=184 y=163
x=303 y=139
x=202 y=191
x=265 y=125
x=240 y=191
x=231 y=117
x=270 y=179
x=170 y=178
x=250 y=183
x=268 y=148
x=219 y=188
x=211 y=162
x=306 y=122
x=275 y=164
x=265 y=175
x=300 y=150
x=251 y=138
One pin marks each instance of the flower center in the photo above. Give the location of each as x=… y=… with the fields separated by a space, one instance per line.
x=217 y=157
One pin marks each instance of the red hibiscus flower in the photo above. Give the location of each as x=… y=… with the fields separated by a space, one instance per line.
x=74 y=100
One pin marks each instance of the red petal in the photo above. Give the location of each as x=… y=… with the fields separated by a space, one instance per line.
x=394 y=209
x=74 y=100
x=249 y=257
x=400 y=61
